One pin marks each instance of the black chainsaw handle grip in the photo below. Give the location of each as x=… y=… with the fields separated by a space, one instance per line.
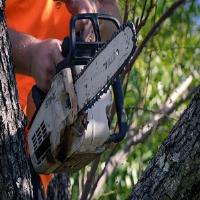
x=38 y=96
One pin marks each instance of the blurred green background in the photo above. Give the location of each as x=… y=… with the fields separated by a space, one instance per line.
x=169 y=60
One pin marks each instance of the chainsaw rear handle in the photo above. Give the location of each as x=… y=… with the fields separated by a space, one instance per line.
x=78 y=52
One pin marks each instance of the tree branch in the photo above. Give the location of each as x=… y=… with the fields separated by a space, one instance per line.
x=153 y=30
x=142 y=20
x=126 y=12
x=90 y=179
x=134 y=11
x=167 y=108
x=174 y=172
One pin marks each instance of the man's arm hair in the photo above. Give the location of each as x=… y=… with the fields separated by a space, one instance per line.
x=34 y=57
x=20 y=51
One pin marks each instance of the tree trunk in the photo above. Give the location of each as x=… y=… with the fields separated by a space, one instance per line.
x=59 y=187
x=174 y=173
x=15 y=177
x=15 y=180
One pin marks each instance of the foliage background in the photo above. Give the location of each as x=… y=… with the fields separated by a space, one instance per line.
x=169 y=60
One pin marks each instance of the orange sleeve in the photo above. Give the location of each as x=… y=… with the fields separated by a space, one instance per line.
x=42 y=19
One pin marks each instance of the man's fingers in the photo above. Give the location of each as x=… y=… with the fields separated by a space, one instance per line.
x=89 y=35
x=44 y=64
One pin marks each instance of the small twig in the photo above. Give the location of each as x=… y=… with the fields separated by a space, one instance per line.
x=126 y=12
x=134 y=108
x=143 y=10
x=137 y=21
x=102 y=173
x=156 y=7
x=126 y=81
x=90 y=178
x=154 y=29
x=173 y=48
x=147 y=75
x=134 y=11
x=143 y=21
x=80 y=183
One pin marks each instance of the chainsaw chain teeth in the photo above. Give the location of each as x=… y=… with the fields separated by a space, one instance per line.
x=91 y=102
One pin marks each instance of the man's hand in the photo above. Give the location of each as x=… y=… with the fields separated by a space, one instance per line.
x=45 y=55
x=36 y=58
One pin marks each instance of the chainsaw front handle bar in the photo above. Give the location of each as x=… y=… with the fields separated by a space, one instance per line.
x=121 y=114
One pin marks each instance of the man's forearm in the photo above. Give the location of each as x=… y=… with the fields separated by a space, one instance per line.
x=20 y=51
x=34 y=57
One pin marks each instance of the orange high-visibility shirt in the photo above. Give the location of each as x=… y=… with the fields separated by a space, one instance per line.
x=42 y=19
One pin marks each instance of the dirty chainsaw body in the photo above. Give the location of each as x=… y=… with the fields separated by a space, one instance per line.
x=60 y=138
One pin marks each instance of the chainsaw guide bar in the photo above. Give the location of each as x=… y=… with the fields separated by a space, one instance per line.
x=108 y=62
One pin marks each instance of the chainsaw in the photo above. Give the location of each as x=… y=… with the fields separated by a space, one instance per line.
x=71 y=126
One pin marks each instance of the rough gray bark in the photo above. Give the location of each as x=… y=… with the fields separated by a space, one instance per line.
x=59 y=187
x=174 y=173
x=14 y=171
